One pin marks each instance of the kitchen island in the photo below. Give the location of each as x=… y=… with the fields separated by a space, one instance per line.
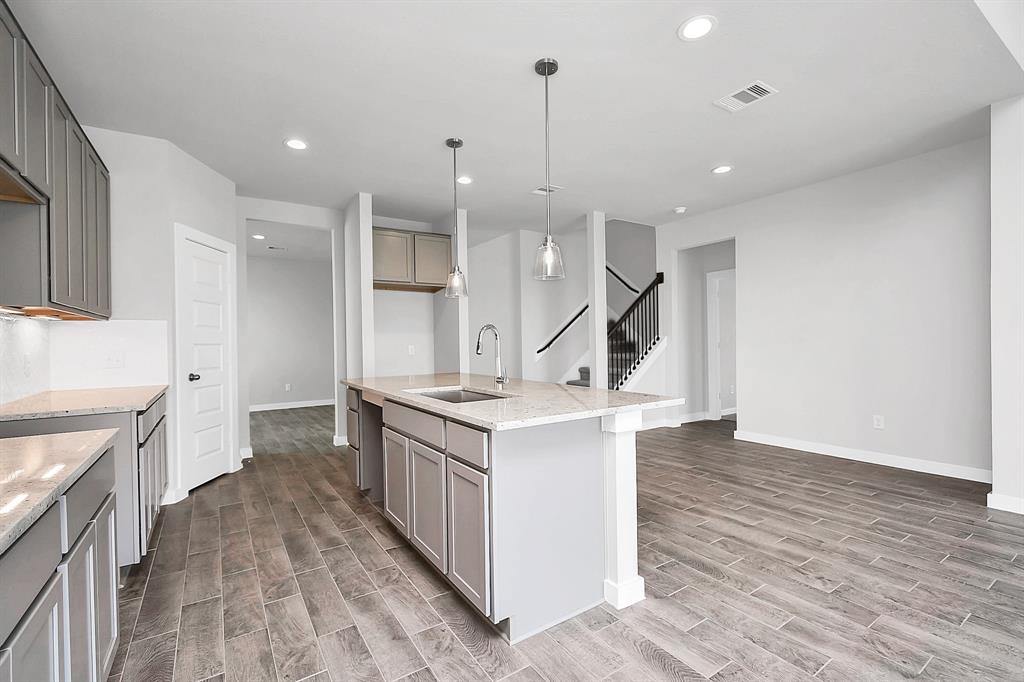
x=522 y=495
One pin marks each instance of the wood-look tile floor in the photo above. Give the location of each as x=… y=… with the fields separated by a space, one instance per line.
x=761 y=564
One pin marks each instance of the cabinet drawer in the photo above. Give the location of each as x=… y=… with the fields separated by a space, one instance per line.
x=352 y=425
x=26 y=566
x=352 y=399
x=80 y=502
x=469 y=445
x=422 y=426
x=151 y=417
x=352 y=465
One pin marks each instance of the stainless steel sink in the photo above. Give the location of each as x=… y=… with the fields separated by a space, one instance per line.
x=460 y=395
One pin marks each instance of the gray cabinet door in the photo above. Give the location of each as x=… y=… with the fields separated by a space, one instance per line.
x=38 y=110
x=79 y=571
x=433 y=259
x=92 y=259
x=428 y=531
x=104 y=305
x=11 y=91
x=60 y=275
x=106 y=586
x=392 y=256
x=77 y=148
x=35 y=651
x=469 y=560
x=352 y=465
x=396 y=480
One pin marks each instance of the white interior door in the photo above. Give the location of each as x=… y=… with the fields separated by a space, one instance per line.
x=721 y=343
x=204 y=292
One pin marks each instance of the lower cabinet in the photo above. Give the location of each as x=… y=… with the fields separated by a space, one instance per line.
x=79 y=572
x=396 y=480
x=469 y=565
x=106 y=584
x=427 y=516
x=35 y=650
x=152 y=479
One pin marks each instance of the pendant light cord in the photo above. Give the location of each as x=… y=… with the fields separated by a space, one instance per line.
x=547 y=154
x=455 y=194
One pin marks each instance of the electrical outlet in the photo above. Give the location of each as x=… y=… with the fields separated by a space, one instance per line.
x=412 y=350
x=732 y=389
x=114 y=359
x=878 y=421
x=287 y=387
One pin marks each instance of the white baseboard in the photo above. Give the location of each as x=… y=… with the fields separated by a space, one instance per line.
x=340 y=441
x=729 y=410
x=1007 y=503
x=692 y=417
x=245 y=453
x=924 y=466
x=661 y=421
x=290 y=406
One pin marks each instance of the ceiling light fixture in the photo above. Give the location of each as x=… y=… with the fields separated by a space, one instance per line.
x=456 y=286
x=679 y=209
x=696 y=27
x=721 y=170
x=465 y=180
x=258 y=236
x=295 y=143
x=548 y=264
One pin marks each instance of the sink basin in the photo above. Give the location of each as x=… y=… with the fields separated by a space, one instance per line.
x=460 y=395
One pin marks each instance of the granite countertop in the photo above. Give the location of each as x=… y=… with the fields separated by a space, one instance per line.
x=81 y=401
x=530 y=403
x=36 y=470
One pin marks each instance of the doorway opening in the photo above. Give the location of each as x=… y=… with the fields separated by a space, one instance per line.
x=289 y=328
x=706 y=310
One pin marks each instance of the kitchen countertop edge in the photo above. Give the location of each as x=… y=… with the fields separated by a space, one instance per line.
x=9 y=535
x=34 y=406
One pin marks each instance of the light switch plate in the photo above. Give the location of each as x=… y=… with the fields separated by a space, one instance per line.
x=878 y=421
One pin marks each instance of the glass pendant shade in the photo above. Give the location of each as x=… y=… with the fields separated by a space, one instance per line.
x=456 y=285
x=548 y=264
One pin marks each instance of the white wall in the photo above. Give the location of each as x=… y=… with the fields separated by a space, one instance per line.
x=403 y=319
x=863 y=295
x=629 y=248
x=110 y=353
x=494 y=298
x=24 y=357
x=290 y=330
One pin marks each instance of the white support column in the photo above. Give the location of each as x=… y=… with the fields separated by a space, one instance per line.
x=597 y=298
x=1007 y=306
x=461 y=223
x=623 y=585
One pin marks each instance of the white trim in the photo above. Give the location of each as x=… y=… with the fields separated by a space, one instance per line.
x=183 y=233
x=292 y=405
x=660 y=419
x=245 y=453
x=728 y=410
x=713 y=333
x=693 y=417
x=645 y=364
x=897 y=461
x=526 y=635
x=1007 y=503
x=340 y=441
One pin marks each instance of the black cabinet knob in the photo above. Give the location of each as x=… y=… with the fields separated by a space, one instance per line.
x=193 y=377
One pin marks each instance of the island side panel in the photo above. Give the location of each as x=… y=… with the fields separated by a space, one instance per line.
x=548 y=530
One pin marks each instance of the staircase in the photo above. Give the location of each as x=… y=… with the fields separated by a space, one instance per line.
x=630 y=338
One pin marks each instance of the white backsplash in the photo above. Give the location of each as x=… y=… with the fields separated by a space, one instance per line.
x=24 y=357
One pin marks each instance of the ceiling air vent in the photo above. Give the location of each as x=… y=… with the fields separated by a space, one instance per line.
x=542 y=190
x=277 y=248
x=742 y=99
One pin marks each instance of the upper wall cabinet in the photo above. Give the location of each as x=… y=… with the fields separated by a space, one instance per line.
x=54 y=194
x=410 y=261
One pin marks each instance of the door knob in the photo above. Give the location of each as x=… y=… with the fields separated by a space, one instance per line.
x=193 y=377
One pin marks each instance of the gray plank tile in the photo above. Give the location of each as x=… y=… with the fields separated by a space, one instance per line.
x=202 y=576
x=325 y=533
x=275 y=574
x=151 y=659
x=491 y=652
x=302 y=551
x=161 y=606
x=204 y=535
x=236 y=552
x=366 y=549
x=347 y=656
x=326 y=608
x=390 y=645
x=232 y=518
x=249 y=658
x=347 y=572
x=170 y=553
x=243 y=604
x=296 y=653
x=264 y=533
x=408 y=605
x=200 y=653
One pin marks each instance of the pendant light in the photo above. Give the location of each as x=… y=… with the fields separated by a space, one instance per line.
x=456 y=285
x=548 y=264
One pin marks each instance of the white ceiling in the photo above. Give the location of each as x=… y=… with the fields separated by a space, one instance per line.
x=376 y=87
x=293 y=241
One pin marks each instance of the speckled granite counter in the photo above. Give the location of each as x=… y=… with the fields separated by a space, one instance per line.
x=36 y=470
x=81 y=401
x=528 y=403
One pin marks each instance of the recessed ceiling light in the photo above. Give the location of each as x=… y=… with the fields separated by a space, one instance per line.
x=465 y=180
x=719 y=170
x=680 y=209
x=258 y=236
x=295 y=143
x=697 y=27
